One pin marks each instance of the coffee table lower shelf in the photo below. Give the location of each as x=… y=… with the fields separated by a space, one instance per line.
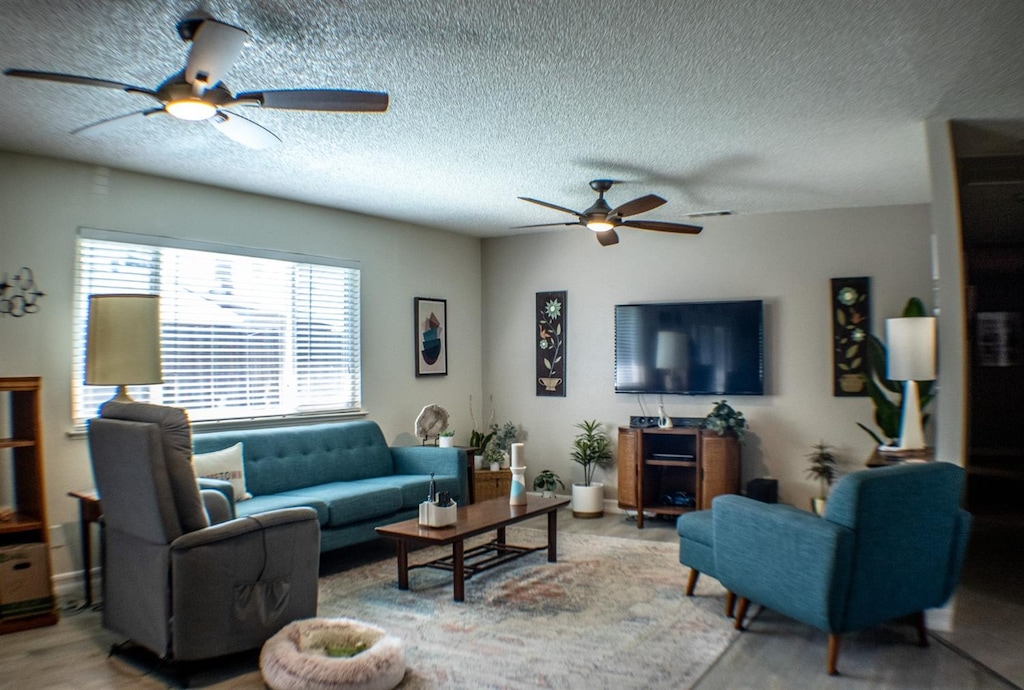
x=495 y=514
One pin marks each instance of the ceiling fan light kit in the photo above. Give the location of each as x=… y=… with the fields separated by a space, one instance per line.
x=197 y=93
x=603 y=219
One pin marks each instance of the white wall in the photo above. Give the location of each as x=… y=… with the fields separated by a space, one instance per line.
x=44 y=201
x=784 y=259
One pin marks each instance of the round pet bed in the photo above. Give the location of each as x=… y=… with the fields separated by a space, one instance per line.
x=299 y=657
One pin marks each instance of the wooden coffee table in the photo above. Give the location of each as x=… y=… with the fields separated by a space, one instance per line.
x=478 y=518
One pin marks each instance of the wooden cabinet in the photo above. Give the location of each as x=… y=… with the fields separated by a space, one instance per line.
x=487 y=484
x=673 y=471
x=22 y=485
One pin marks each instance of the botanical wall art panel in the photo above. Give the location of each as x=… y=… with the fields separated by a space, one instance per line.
x=851 y=320
x=431 y=336
x=550 y=338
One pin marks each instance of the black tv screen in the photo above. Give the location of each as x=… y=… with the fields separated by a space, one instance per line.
x=690 y=348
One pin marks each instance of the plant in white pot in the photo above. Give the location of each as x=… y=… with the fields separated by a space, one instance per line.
x=546 y=481
x=446 y=439
x=590 y=449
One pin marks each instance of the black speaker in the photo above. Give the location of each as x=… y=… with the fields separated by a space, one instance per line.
x=764 y=490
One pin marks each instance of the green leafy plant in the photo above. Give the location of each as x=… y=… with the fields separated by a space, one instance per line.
x=547 y=481
x=824 y=466
x=723 y=418
x=499 y=441
x=591 y=448
x=447 y=433
x=887 y=394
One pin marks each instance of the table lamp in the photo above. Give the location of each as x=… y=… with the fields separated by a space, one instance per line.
x=123 y=342
x=911 y=358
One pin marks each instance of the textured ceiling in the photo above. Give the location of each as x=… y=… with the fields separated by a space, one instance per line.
x=713 y=104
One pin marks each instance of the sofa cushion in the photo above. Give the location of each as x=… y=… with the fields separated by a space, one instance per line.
x=354 y=501
x=262 y=504
x=415 y=487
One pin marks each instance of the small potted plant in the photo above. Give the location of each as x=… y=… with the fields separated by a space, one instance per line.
x=590 y=449
x=824 y=468
x=723 y=419
x=546 y=481
x=446 y=439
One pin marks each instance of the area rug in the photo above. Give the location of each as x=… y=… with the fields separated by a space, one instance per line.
x=610 y=614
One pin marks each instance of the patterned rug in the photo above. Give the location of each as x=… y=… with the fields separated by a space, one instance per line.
x=610 y=614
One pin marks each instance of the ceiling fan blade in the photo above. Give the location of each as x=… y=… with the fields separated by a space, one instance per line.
x=243 y=130
x=76 y=79
x=663 y=227
x=563 y=209
x=640 y=205
x=330 y=100
x=116 y=121
x=215 y=47
x=607 y=238
x=544 y=225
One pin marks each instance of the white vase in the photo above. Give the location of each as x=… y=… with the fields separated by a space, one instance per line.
x=588 y=501
x=446 y=441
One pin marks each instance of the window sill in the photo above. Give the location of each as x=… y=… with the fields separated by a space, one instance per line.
x=204 y=427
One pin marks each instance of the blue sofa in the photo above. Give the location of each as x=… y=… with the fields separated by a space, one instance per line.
x=345 y=471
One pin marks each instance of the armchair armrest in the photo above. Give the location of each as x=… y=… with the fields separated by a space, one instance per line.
x=786 y=559
x=234 y=584
x=221 y=485
x=217 y=507
x=233 y=529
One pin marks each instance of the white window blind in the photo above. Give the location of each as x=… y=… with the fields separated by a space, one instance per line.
x=244 y=333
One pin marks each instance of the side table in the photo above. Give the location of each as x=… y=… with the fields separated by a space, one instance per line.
x=89 y=511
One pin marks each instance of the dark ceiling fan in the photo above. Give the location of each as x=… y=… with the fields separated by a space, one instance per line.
x=603 y=219
x=197 y=93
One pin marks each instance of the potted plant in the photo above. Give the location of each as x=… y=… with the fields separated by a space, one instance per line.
x=546 y=481
x=824 y=467
x=723 y=419
x=886 y=394
x=446 y=439
x=590 y=449
x=499 y=444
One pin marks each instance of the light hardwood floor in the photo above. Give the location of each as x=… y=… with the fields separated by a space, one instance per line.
x=774 y=653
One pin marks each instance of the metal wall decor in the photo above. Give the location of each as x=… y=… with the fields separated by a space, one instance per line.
x=851 y=321
x=550 y=339
x=20 y=296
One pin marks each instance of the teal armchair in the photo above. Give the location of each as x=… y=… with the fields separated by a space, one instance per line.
x=890 y=544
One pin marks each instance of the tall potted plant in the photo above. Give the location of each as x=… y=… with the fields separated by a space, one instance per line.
x=590 y=449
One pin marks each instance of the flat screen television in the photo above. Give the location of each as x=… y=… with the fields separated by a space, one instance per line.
x=690 y=348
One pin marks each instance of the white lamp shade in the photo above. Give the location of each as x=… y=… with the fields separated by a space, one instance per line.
x=671 y=350
x=911 y=348
x=123 y=340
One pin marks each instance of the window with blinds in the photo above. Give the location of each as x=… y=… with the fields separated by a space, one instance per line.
x=244 y=333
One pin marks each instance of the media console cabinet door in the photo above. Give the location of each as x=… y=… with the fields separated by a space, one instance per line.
x=720 y=464
x=627 y=467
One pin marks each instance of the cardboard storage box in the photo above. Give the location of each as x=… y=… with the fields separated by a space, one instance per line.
x=24 y=581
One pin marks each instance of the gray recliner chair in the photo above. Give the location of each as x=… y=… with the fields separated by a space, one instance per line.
x=180 y=578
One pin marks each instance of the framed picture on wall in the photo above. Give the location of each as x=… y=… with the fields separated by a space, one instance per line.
x=431 y=336
x=550 y=338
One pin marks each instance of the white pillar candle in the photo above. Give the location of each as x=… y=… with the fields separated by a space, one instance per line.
x=518 y=455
